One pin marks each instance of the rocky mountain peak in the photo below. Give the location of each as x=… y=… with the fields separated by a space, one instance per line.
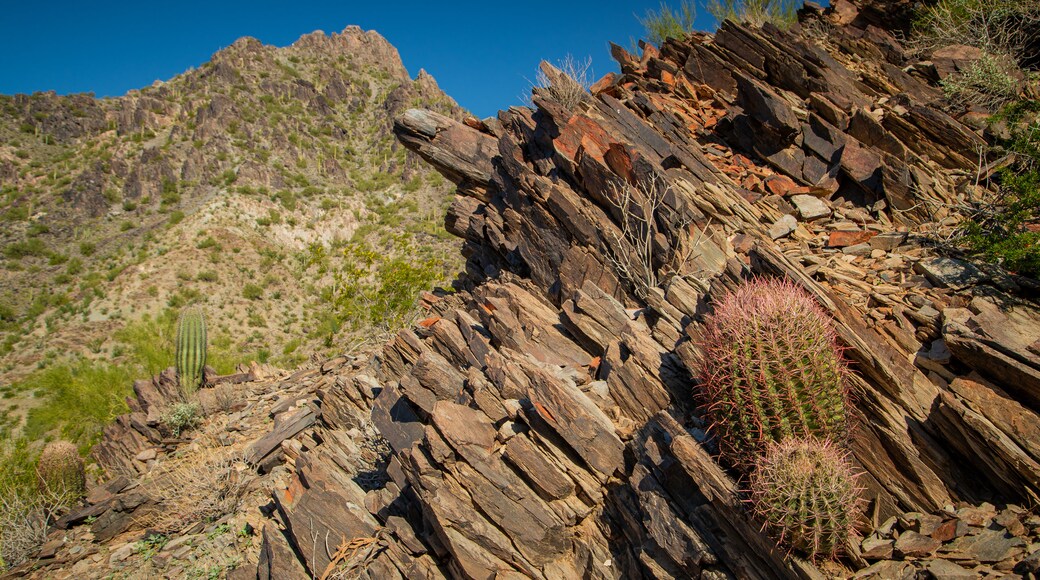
x=368 y=48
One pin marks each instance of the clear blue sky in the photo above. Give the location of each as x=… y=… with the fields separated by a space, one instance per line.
x=481 y=53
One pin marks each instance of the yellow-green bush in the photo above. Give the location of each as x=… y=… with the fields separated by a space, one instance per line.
x=781 y=13
x=668 y=23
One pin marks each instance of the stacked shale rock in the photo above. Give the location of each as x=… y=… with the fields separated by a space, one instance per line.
x=540 y=419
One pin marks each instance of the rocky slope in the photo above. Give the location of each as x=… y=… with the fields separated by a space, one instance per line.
x=540 y=422
x=258 y=167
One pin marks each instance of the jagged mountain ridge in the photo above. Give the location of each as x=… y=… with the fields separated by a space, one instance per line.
x=263 y=151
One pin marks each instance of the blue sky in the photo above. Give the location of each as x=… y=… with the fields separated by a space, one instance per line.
x=481 y=53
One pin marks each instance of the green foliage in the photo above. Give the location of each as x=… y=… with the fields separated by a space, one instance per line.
x=191 y=349
x=988 y=82
x=79 y=399
x=1006 y=229
x=375 y=182
x=207 y=243
x=274 y=217
x=287 y=199
x=151 y=342
x=771 y=370
x=32 y=247
x=781 y=13
x=668 y=23
x=252 y=292
x=181 y=417
x=371 y=290
x=18 y=458
x=804 y=491
x=151 y=545
x=997 y=27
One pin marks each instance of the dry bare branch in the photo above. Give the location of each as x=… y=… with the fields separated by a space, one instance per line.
x=205 y=485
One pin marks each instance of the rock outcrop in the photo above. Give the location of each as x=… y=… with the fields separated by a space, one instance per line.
x=540 y=419
x=540 y=423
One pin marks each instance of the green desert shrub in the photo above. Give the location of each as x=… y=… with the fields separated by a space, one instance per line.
x=988 y=81
x=252 y=292
x=668 y=23
x=77 y=399
x=997 y=27
x=181 y=417
x=771 y=370
x=781 y=13
x=1004 y=226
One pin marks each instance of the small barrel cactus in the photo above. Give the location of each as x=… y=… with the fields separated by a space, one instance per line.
x=804 y=491
x=60 y=470
x=772 y=369
x=191 y=349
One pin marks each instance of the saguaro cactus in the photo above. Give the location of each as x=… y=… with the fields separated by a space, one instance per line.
x=771 y=370
x=191 y=349
x=804 y=493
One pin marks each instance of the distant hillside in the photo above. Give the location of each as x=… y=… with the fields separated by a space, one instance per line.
x=265 y=185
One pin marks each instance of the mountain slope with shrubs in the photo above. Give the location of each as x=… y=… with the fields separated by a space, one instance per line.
x=264 y=186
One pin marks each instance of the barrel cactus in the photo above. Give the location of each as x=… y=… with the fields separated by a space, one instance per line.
x=191 y=349
x=60 y=470
x=772 y=369
x=804 y=493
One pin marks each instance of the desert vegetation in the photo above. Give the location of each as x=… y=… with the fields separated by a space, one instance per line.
x=112 y=228
x=667 y=22
x=1001 y=226
x=782 y=13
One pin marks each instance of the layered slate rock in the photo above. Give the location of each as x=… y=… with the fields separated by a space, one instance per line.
x=540 y=419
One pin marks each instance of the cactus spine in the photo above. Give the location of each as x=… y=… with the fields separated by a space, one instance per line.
x=61 y=471
x=191 y=349
x=771 y=370
x=804 y=492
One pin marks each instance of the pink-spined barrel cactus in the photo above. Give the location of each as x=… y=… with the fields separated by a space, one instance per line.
x=772 y=369
x=804 y=493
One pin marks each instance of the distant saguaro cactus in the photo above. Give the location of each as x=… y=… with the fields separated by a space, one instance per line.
x=60 y=470
x=191 y=349
x=804 y=493
x=772 y=369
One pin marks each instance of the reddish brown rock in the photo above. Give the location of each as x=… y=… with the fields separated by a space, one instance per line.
x=841 y=239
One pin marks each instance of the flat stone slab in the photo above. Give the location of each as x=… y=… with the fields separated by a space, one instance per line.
x=988 y=546
x=783 y=227
x=842 y=239
x=888 y=241
x=950 y=273
x=947 y=570
x=810 y=207
x=914 y=544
